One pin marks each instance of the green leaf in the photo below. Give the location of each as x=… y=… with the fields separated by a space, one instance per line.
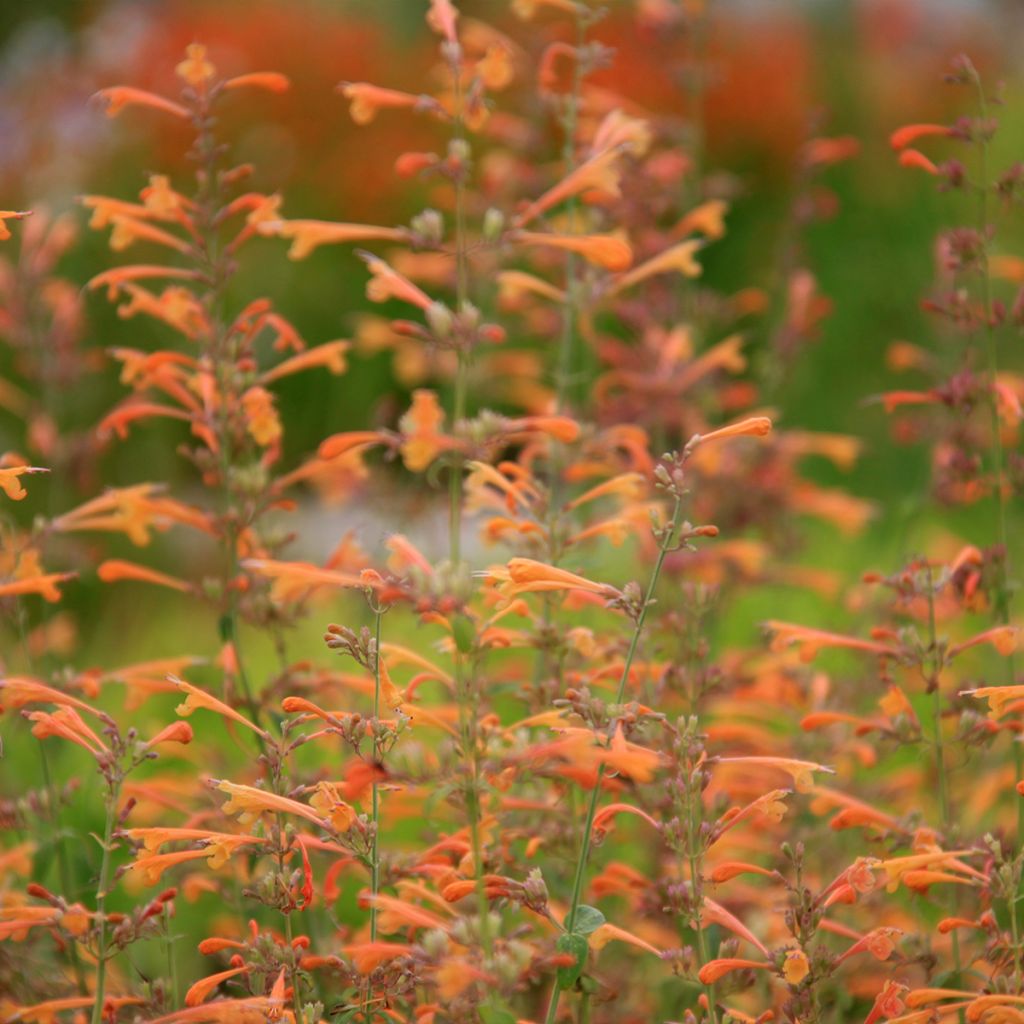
x=587 y=920
x=492 y=1013
x=578 y=946
x=465 y=634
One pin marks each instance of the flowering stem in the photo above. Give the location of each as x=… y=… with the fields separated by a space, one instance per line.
x=666 y=544
x=463 y=354
x=375 y=790
x=63 y=868
x=172 y=963
x=697 y=894
x=101 y=902
x=1002 y=607
x=932 y=679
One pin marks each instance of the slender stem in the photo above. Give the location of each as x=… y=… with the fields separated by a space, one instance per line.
x=63 y=867
x=933 y=680
x=172 y=962
x=668 y=538
x=375 y=789
x=101 y=903
x=998 y=458
x=694 y=815
x=463 y=683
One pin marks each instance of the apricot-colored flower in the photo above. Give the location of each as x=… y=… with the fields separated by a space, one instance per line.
x=528 y=576
x=118 y=97
x=998 y=697
x=307 y=235
x=195 y=70
x=386 y=283
x=607 y=251
x=1002 y=638
x=802 y=772
x=293 y=580
x=196 y=698
x=754 y=426
x=423 y=440
x=365 y=100
x=328 y=803
x=115 y=569
x=714 y=970
x=796 y=966
x=10 y=483
x=810 y=641
x=202 y=989
x=249 y=803
x=629 y=759
x=903 y=137
x=66 y=723
x=442 y=17
x=599 y=172
x=915 y=158
x=273 y=81
x=678 y=258
x=6 y=215
x=330 y=355
x=369 y=955
x=513 y=284
x=261 y=419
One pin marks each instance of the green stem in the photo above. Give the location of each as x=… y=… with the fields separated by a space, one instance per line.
x=667 y=541
x=172 y=962
x=1002 y=604
x=101 y=904
x=463 y=353
x=375 y=789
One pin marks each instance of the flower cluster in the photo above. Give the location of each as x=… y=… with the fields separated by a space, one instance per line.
x=529 y=774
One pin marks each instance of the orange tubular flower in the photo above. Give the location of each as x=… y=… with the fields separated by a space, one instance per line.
x=293 y=580
x=903 y=137
x=196 y=698
x=386 y=283
x=203 y=988
x=714 y=970
x=802 y=772
x=915 y=158
x=369 y=955
x=118 y=97
x=677 y=259
x=606 y=814
x=1002 y=638
x=330 y=355
x=607 y=251
x=307 y=235
x=888 y=1003
x=528 y=577
x=755 y=426
x=11 y=485
x=607 y=932
x=273 y=81
x=365 y=100
x=114 y=570
x=6 y=215
x=810 y=641
x=250 y=804
x=599 y=172
x=708 y=220
x=66 y=723
x=998 y=697
x=17 y=691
